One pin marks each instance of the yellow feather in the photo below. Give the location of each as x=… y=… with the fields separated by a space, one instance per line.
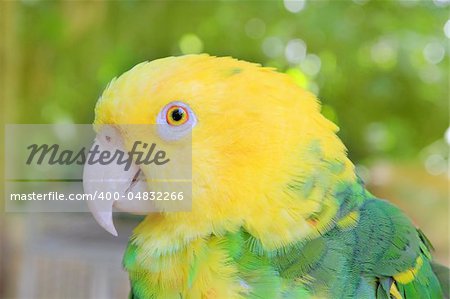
x=349 y=221
x=254 y=135
x=407 y=276
x=394 y=292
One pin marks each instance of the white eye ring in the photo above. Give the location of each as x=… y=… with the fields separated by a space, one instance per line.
x=170 y=132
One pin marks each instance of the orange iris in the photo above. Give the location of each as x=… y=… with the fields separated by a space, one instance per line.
x=177 y=115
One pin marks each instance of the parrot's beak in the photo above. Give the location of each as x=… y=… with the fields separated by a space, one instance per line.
x=109 y=183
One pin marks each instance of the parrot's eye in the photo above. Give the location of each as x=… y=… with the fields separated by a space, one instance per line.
x=177 y=115
x=175 y=120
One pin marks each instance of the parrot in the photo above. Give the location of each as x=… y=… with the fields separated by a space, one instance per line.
x=277 y=208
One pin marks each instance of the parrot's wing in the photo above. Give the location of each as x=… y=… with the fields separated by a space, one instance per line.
x=443 y=275
x=395 y=249
x=381 y=255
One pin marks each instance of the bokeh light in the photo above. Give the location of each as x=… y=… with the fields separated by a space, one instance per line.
x=311 y=65
x=191 y=44
x=447 y=28
x=294 y=6
x=436 y=164
x=295 y=51
x=272 y=47
x=434 y=52
x=384 y=53
x=447 y=136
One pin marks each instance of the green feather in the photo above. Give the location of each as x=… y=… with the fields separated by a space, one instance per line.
x=359 y=261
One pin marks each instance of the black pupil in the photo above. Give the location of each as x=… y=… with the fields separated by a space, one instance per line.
x=177 y=114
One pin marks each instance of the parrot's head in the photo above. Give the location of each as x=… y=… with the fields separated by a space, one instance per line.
x=259 y=143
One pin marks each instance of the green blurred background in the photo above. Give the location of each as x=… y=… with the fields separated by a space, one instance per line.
x=380 y=68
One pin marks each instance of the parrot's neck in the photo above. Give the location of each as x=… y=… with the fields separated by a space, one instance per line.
x=312 y=191
x=275 y=226
x=162 y=253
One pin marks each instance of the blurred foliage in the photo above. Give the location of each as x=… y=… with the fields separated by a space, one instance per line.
x=379 y=67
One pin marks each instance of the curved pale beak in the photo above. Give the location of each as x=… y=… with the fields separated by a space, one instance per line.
x=109 y=183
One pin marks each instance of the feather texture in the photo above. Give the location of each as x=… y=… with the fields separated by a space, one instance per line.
x=278 y=211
